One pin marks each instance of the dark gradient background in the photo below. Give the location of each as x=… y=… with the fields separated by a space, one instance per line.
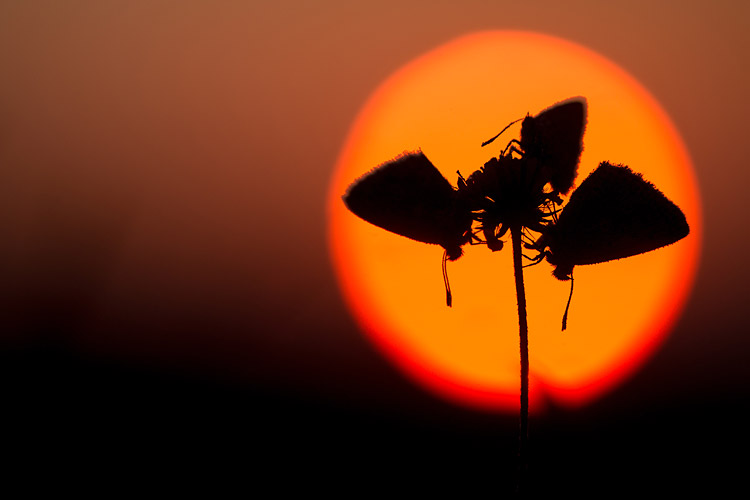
x=168 y=307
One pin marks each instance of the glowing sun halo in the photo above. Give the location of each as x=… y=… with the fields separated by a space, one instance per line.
x=446 y=103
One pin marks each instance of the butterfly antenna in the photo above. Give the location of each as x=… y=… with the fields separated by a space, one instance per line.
x=565 y=316
x=448 y=294
x=489 y=141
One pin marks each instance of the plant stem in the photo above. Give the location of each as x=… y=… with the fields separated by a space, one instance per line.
x=523 y=329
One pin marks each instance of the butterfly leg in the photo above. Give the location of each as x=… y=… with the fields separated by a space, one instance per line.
x=513 y=147
x=474 y=239
x=536 y=260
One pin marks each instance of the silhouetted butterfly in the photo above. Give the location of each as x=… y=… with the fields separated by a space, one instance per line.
x=551 y=143
x=410 y=197
x=512 y=188
x=613 y=214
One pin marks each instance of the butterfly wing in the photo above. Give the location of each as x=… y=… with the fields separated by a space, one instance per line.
x=554 y=139
x=613 y=214
x=410 y=197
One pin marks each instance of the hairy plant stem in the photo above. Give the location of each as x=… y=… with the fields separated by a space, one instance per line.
x=523 y=329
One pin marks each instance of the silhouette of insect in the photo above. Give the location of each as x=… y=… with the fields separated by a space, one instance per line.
x=410 y=197
x=613 y=214
x=551 y=143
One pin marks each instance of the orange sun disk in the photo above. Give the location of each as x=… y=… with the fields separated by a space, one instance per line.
x=446 y=103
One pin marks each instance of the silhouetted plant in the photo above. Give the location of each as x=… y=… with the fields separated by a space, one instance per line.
x=613 y=214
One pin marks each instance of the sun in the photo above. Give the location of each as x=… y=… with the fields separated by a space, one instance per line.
x=446 y=103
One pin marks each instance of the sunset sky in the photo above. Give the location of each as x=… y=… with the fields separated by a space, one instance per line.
x=164 y=260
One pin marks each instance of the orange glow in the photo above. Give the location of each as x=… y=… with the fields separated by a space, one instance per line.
x=446 y=103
